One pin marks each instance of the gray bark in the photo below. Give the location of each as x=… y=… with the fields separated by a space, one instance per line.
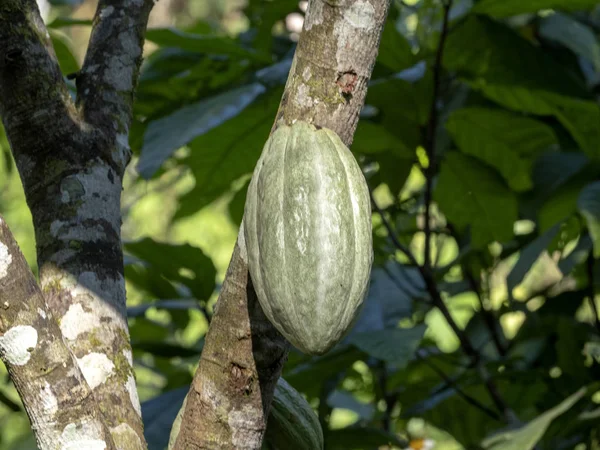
x=71 y=157
x=57 y=399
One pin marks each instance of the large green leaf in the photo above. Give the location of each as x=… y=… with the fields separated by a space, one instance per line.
x=395 y=346
x=503 y=140
x=574 y=35
x=395 y=52
x=528 y=436
x=580 y=117
x=512 y=72
x=228 y=152
x=482 y=49
x=64 y=54
x=505 y=8
x=589 y=207
x=202 y=43
x=471 y=194
x=184 y=264
x=165 y=135
x=402 y=99
x=373 y=138
x=310 y=375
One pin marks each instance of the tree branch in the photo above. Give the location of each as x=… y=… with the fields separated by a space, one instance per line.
x=228 y=404
x=430 y=136
x=453 y=385
x=57 y=399
x=71 y=158
x=106 y=83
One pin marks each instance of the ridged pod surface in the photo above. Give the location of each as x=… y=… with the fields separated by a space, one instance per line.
x=307 y=226
x=292 y=424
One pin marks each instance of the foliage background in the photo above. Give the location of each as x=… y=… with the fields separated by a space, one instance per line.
x=515 y=217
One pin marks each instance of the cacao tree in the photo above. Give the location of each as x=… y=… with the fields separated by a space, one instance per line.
x=153 y=265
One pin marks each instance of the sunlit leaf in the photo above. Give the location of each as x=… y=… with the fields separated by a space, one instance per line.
x=165 y=135
x=471 y=194
x=227 y=152
x=395 y=346
x=527 y=437
x=184 y=263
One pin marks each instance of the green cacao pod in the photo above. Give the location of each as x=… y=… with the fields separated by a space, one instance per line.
x=292 y=423
x=307 y=227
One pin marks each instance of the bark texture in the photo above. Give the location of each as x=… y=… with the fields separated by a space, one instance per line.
x=228 y=404
x=71 y=157
x=58 y=401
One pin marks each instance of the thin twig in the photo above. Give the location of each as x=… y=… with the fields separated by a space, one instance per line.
x=430 y=172
x=590 y=263
x=389 y=399
x=507 y=412
x=487 y=315
x=392 y=233
x=452 y=384
x=430 y=137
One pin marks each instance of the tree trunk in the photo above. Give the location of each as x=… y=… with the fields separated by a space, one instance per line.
x=228 y=404
x=71 y=158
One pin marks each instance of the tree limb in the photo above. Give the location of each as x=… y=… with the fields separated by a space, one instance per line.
x=57 y=399
x=228 y=404
x=71 y=157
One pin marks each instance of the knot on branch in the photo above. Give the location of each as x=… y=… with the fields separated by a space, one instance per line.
x=11 y=57
x=347 y=82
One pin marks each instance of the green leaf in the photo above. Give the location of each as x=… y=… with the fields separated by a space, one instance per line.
x=482 y=49
x=202 y=43
x=373 y=138
x=503 y=140
x=509 y=70
x=61 y=22
x=395 y=346
x=506 y=8
x=528 y=436
x=393 y=170
x=183 y=263
x=167 y=134
x=395 y=52
x=528 y=256
x=471 y=194
x=574 y=35
x=561 y=204
x=588 y=204
x=553 y=169
x=228 y=152
x=401 y=99
x=309 y=376
x=66 y=60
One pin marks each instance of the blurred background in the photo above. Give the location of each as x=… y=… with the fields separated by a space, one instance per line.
x=515 y=216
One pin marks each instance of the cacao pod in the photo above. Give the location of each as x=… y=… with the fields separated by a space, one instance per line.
x=307 y=228
x=292 y=423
